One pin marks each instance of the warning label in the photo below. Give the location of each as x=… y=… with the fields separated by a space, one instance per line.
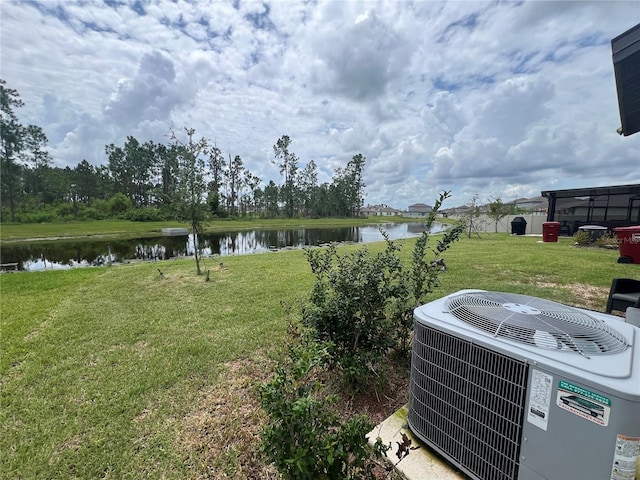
x=625 y=458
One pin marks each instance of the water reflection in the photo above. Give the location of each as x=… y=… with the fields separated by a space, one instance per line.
x=63 y=254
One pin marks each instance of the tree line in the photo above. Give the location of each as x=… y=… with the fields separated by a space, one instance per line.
x=149 y=181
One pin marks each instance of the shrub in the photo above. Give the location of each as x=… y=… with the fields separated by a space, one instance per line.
x=361 y=305
x=67 y=211
x=304 y=437
x=40 y=216
x=607 y=240
x=147 y=214
x=119 y=204
x=347 y=307
x=582 y=238
x=99 y=209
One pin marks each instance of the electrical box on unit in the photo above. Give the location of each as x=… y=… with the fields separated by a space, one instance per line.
x=512 y=387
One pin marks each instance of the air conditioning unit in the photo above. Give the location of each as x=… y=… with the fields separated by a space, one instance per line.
x=509 y=386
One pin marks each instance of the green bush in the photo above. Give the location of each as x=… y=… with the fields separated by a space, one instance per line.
x=148 y=214
x=69 y=212
x=99 y=209
x=119 y=204
x=582 y=238
x=347 y=306
x=304 y=437
x=41 y=216
x=361 y=305
x=607 y=240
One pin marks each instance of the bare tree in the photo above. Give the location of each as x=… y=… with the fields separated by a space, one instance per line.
x=192 y=186
x=472 y=216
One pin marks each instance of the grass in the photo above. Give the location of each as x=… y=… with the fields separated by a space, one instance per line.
x=117 y=372
x=11 y=232
x=86 y=354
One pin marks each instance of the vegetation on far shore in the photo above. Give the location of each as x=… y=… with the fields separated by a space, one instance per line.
x=188 y=178
x=119 y=372
x=14 y=232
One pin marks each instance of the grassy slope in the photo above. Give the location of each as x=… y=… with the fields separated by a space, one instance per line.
x=99 y=366
x=88 y=352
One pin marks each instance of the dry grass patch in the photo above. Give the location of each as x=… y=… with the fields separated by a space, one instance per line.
x=588 y=296
x=178 y=278
x=37 y=331
x=221 y=435
x=591 y=297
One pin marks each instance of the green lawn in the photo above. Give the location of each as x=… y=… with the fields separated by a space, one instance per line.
x=101 y=367
x=11 y=232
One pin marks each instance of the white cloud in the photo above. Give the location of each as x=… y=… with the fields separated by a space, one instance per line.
x=373 y=53
x=152 y=93
x=477 y=97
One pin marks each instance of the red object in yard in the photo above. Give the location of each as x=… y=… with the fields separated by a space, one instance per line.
x=629 y=242
x=550 y=231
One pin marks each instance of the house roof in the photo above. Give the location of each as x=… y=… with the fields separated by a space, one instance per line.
x=420 y=207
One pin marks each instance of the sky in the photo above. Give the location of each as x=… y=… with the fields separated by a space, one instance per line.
x=488 y=99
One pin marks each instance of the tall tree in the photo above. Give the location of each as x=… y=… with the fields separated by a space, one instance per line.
x=166 y=165
x=253 y=184
x=271 y=196
x=36 y=157
x=355 y=192
x=57 y=184
x=234 y=181
x=19 y=143
x=155 y=157
x=120 y=173
x=308 y=183
x=85 y=178
x=339 y=194
x=132 y=168
x=11 y=144
x=324 y=203
x=216 y=164
x=289 y=169
x=104 y=187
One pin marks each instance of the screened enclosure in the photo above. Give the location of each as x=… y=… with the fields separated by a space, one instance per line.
x=616 y=206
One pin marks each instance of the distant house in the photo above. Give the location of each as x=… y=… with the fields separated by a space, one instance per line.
x=369 y=210
x=389 y=212
x=418 y=210
x=380 y=211
x=460 y=211
x=535 y=204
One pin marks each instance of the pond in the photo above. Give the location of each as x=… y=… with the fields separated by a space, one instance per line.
x=70 y=253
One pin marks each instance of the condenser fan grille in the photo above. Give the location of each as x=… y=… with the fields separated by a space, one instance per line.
x=535 y=321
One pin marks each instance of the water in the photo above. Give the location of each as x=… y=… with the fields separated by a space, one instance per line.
x=64 y=254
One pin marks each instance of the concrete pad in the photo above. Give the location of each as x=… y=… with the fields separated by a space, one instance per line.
x=421 y=462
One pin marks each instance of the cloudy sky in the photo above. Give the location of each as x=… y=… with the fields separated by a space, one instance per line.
x=497 y=99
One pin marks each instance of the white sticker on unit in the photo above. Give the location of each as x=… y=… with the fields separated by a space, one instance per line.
x=539 y=399
x=625 y=458
x=589 y=405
